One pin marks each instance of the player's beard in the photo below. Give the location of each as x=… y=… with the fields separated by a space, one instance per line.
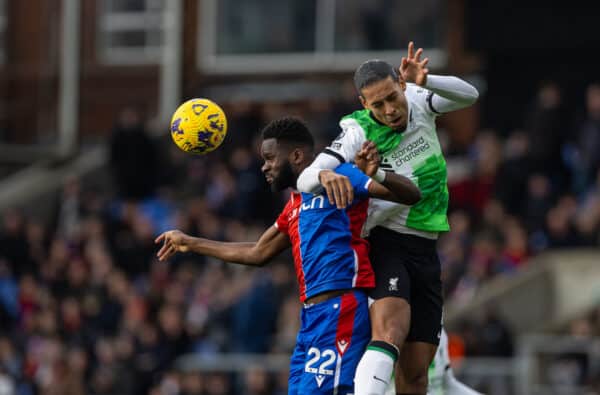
x=285 y=179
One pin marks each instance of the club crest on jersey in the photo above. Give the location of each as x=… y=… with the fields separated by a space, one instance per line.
x=293 y=214
x=393 y=284
x=342 y=345
x=320 y=378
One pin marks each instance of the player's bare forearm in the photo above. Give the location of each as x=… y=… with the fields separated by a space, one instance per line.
x=271 y=243
x=388 y=186
x=243 y=253
x=395 y=188
x=405 y=191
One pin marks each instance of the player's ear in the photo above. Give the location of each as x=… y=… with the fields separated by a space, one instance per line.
x=401 y=82
x=362 y=101
x=296 y=156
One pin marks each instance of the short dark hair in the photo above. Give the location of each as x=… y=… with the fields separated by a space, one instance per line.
x=288 y=130
x=371 y=71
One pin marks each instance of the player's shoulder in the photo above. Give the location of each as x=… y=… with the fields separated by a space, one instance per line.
x=418 y=97
x=416 y=92
x=356 y=121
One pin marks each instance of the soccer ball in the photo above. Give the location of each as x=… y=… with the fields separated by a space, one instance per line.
x=198 y=126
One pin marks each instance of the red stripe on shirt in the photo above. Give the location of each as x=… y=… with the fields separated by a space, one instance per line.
x=287 y=222
x=358 y=215
x=345 y=325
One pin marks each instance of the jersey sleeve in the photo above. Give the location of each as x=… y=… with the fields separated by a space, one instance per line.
x=348 y=142
x=282 y=223
x=342 y=150
x=359 y=180
x=448 y=93
x=421 y=97
x=442 y=94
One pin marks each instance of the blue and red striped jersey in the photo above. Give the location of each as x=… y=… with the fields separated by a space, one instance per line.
x=329 y=253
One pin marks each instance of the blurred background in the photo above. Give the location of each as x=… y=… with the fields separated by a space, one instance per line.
x=89 y=176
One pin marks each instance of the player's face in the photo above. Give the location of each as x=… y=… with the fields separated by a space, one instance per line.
x=386 y=101
x=277 y=167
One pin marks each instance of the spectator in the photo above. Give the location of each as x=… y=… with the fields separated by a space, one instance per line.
x=85 y=307
x=587 y=161
x=511 y=183
x=133 y=157
x=546 y=126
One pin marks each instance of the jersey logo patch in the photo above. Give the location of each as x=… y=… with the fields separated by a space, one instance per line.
x=393 y=284
x=342 y=344
x=320 y=378
x=293 y=214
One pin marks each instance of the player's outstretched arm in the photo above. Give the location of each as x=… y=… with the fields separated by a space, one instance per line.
x=450 y=93
x=270 y=244
x=385 y=185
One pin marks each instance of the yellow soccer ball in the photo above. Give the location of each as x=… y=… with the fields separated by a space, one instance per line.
x=198 y=126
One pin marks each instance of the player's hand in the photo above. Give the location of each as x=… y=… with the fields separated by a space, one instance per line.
x=367 y=159
x=173 y=241
x=338 y=187
x=412 y=68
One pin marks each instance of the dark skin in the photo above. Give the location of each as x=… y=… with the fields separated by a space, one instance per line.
x=277 y=158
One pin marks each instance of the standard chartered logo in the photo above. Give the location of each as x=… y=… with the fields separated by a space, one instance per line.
x=407 y=152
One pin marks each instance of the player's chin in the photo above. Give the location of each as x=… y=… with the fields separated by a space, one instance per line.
x=272 y=184
x=398 y=123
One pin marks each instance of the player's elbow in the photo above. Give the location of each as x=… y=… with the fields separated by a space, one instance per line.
x=255 y=260
x=257 y=257
x=472 y=95
x=263 y=260
x=413 y=197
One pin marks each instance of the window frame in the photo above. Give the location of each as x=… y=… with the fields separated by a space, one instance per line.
x=324 y=58
x=110 y=22
x=3 y=30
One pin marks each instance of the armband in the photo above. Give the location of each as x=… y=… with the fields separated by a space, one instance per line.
x=379 y=176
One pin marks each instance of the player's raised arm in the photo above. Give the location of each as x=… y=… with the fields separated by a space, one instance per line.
x=270 y=244
x=386 y=185
x=449 y=93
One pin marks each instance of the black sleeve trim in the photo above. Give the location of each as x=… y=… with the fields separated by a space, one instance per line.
x=430 y=102
x=337 y=156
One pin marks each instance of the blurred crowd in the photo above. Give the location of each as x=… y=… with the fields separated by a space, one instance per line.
x=85 y=307
x=514 y=197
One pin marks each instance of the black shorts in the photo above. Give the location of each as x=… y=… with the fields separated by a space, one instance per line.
x=408 y=267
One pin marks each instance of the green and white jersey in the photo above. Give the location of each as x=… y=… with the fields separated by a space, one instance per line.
x=414 y=153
